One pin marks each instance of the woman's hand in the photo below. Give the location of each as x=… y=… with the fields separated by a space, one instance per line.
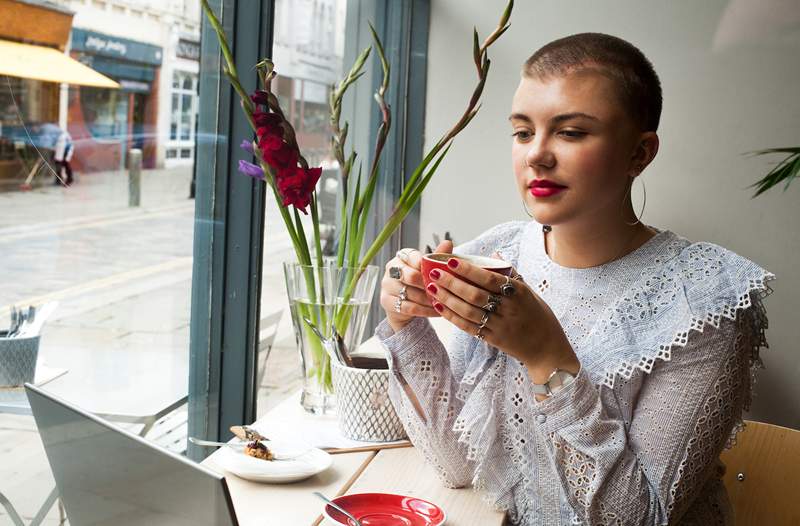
x=417 y=303
x=522 y=326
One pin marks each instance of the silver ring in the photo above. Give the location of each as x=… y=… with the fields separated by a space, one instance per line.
x=395 y=272
x=485 y=319
x=517 y=276
x=507 y=289
x=478 y=334
x=403 y=294
x=404 y=255
x=398 y=304
x=490 y=306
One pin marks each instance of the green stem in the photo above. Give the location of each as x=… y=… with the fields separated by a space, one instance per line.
x=231 y=73
x=320 y=267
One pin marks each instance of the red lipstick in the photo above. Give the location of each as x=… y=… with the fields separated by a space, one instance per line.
x=544 y=188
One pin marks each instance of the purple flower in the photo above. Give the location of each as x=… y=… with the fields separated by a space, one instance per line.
x=253 y=170
x=247 y=146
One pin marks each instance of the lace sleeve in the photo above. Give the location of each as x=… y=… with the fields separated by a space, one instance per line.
x=648 y=470
x=422 y=389
x=431 y=387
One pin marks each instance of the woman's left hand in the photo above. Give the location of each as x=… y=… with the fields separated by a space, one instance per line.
x=522 y=326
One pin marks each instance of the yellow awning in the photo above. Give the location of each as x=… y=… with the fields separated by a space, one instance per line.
x=47 y=64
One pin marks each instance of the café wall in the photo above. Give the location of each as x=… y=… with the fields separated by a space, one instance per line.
x=730 y=78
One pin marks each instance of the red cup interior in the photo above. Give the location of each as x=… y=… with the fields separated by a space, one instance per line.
x=439 y=260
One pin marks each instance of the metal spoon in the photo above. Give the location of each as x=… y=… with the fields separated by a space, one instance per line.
x=334 y=346
x=200 y=442
x=335 y=506
x=13 y=326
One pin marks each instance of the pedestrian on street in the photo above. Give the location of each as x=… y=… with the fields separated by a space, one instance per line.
x=64 y=150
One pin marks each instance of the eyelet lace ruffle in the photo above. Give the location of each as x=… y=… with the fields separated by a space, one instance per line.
x=480 y=426
x=684 y=287
x=698 y=287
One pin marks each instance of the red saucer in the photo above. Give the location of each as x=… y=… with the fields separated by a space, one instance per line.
x=383 y=509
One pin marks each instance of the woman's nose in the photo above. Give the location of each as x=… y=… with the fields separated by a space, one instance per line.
x=539 y=155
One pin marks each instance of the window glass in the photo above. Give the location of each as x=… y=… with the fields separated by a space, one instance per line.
x=109 y=254
x=308 y=62
x=183 y=112
x=174 y=118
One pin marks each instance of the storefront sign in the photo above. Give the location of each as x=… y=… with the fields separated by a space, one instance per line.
x=134 y=85
x=116 y=47
x=188 y=49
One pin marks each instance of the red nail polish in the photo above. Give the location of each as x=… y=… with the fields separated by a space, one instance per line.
x=432 y=288
x=438 y=306
x=452 y=262
x=435 y=274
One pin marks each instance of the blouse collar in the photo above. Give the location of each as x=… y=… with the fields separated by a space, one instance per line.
x=533 y=251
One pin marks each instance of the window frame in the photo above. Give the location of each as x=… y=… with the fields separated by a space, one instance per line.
x=229 y=229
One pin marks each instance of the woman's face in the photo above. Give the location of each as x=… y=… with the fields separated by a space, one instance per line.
x=572 y=131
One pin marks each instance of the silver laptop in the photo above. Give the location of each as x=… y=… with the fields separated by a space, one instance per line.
x=106 y=475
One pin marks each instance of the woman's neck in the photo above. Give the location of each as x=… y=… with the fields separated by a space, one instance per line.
x=581 y=247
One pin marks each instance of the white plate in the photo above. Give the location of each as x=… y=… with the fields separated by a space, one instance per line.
x=306 y=465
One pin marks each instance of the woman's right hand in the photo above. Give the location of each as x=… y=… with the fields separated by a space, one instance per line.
x=417 y=302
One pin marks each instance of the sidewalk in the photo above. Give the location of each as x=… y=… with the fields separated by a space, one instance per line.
x=122 y=277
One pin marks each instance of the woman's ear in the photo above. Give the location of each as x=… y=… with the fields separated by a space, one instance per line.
x=644 y=152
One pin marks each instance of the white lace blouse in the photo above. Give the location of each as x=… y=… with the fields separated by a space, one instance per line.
x=668 y=339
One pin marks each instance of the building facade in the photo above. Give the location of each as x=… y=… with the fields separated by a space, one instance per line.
x=26 y=102
x=152 y=49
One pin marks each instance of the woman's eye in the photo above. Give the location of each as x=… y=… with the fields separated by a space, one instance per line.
x=522 y=135
x=573 y=134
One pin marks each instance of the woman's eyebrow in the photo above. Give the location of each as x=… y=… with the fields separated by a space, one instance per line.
x=554 y=120
x=574 y=115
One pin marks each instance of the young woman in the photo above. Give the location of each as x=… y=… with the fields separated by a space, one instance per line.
x=601 y=385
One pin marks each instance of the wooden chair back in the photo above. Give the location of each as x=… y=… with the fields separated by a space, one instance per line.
x=763 y=475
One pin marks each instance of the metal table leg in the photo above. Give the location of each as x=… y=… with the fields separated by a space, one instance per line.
x=15 y=518
x=48 y=503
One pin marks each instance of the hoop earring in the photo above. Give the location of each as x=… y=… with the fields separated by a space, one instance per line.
x=525 y=206
x=644 y=203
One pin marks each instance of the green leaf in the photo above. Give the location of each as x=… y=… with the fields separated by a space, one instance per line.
x=382 y=56
x=786 y=171
x=302 y=239
x=352 y=246
x=476 y=48
x=788 y=149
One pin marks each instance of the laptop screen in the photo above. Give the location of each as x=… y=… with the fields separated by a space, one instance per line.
x=106 y=475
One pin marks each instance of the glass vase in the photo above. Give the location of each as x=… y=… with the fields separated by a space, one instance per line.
x=323 y=300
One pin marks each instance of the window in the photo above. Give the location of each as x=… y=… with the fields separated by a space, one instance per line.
x=132 y=283
x=183 y=114
x=121 y=275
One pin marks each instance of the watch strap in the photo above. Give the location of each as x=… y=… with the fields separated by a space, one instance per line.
x=558 y=380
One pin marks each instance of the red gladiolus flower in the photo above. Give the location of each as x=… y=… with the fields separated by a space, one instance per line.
x=277 y=153
x=268 y=121
x=259 y=97
x=297 y=184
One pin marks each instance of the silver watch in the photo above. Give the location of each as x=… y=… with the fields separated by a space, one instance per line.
x=557 y=381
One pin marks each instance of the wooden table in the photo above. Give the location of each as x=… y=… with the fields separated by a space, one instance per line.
x=402 y=471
